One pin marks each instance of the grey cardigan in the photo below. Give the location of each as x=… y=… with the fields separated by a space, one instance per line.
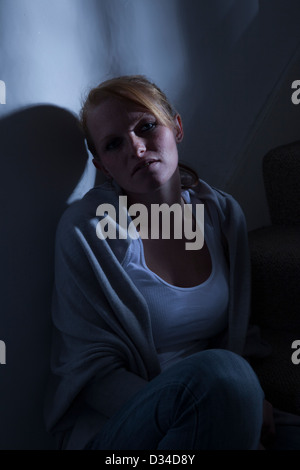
x=101 y=321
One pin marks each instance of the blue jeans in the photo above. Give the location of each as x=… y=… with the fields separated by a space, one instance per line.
x=211 y=400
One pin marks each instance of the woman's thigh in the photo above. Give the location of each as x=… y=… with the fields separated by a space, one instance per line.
x=210 y=400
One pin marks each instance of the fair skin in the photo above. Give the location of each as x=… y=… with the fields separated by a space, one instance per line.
x=127 y=137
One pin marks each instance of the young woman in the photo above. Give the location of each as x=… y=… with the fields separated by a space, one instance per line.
x=149 y=334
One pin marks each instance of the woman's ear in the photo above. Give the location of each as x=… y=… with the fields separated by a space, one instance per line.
x=178 y=128
x=100 y=167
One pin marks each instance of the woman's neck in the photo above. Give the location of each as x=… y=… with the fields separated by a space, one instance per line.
x=169 y=193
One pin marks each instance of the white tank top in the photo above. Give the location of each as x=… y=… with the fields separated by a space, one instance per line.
x=183 y=318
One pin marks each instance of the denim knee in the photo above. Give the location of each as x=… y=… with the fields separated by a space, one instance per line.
x=222 y=374
x=210 y=400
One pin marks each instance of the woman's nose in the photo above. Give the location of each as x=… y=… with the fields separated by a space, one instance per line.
x=138 y=145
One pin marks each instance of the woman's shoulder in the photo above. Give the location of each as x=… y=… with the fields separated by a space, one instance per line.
x=219 y=198
x=81 y=215
x=86 y=207
x=78 y=228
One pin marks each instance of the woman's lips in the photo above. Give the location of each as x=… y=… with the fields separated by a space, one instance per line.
x=144 y=165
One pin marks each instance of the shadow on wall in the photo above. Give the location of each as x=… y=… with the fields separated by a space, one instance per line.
x=42 y=159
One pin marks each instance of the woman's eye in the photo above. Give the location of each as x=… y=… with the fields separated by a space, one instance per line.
x=149 y=126
x=113 y=144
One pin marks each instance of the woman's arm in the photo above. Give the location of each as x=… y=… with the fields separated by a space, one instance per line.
x=102 y=348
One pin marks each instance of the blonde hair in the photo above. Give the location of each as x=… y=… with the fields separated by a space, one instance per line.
x=137 y=89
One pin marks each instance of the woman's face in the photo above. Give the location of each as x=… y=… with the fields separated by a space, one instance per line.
x=133 y=148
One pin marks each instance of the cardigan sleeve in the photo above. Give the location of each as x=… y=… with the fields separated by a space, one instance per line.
x=99 y=330
x=241 y=336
